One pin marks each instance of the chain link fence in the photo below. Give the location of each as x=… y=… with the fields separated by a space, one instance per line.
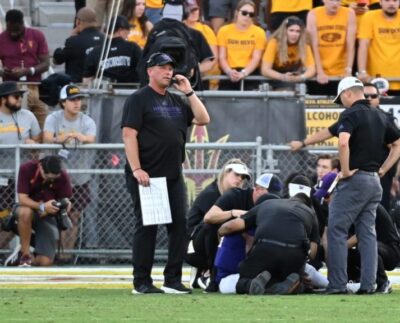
x=102 y=212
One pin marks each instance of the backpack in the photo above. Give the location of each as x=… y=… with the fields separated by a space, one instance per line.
x=173 y=38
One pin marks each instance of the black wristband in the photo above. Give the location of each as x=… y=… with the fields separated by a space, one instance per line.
x=189 y=94
x=303 y=144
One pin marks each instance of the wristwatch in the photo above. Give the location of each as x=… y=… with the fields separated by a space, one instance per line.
x=41 y=208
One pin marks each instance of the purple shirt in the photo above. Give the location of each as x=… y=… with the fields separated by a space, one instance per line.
x=27 y=50
x=30 y=182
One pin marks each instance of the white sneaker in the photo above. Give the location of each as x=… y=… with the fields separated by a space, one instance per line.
x=353 y=287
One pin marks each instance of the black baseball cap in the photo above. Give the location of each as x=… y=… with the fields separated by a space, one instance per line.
x=9 y=87
x=160 y=59
x=121 y=22
x=71 y=91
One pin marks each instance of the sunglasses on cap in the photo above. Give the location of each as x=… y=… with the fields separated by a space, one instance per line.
x=246 y=13
x=194 y=9
x=371 y=96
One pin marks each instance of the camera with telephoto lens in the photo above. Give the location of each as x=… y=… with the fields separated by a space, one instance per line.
x=62 y=218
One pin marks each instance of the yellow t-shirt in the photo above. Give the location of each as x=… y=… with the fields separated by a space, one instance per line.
x=211 y=39
x=207 y=32
x=349 y=2
x=291 y=5
x=294 y=64
x=384 y=47
x=155 y=4
x=136 y=34
x=240 y=44
x=332 y=32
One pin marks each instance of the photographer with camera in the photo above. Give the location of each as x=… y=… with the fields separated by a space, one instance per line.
x=43 y=192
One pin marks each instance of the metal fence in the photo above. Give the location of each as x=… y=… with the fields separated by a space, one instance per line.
x=103 y=227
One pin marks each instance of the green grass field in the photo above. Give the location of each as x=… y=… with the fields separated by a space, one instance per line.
x=117 y=305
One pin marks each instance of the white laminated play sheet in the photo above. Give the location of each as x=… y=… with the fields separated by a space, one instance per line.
x=154 y=202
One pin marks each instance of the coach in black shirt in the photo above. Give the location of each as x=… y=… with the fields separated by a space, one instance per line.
x=363 y=134
x=154 y=125
x=84 y=37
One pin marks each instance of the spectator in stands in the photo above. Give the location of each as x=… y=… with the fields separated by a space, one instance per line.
x=70 y=126
x=25 y=56
x=241 y=45
x=17 y=126
x=288 y=58
x=192 y=19
x=154 y=10
x=40 y=184
x=332 y=29
x=122 y=59
x=378 y=36
x=140 y=25
x=233 y=174
x=220 y=11
x=277 y=11
x=83 y=37
x=101 y=8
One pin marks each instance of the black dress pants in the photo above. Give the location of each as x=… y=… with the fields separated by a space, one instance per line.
x=144 y=237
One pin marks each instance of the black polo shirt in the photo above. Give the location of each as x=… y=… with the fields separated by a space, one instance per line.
x=369 y=131
x=284 y=220
x=203 y=202
x=236 y=199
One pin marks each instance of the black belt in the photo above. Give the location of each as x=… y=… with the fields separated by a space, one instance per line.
x=280 y=244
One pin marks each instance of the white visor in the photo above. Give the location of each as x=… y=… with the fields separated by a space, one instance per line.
x=297 y=188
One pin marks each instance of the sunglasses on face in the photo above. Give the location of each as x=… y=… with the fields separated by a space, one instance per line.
x=246 y=13
x=371 y=96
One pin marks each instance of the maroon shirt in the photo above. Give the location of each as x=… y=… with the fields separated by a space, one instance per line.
x=27 y=50
x=30 y=182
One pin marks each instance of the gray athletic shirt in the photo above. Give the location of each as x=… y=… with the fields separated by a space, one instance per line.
x=81 y=159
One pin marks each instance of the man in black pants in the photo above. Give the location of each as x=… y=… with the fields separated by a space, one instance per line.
x=154 y=125
x=285 y=230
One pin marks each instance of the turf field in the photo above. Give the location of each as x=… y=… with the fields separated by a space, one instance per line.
x=117 y=305
x=60 y=294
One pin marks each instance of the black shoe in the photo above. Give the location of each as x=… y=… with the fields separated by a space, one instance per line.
x=286 y=287
x=176 y=288
x=203 y=281
x=257 y=285
x=334 y=291
x=212 y=287
x=385 y=288
x=147 y=289
x=365 y=291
